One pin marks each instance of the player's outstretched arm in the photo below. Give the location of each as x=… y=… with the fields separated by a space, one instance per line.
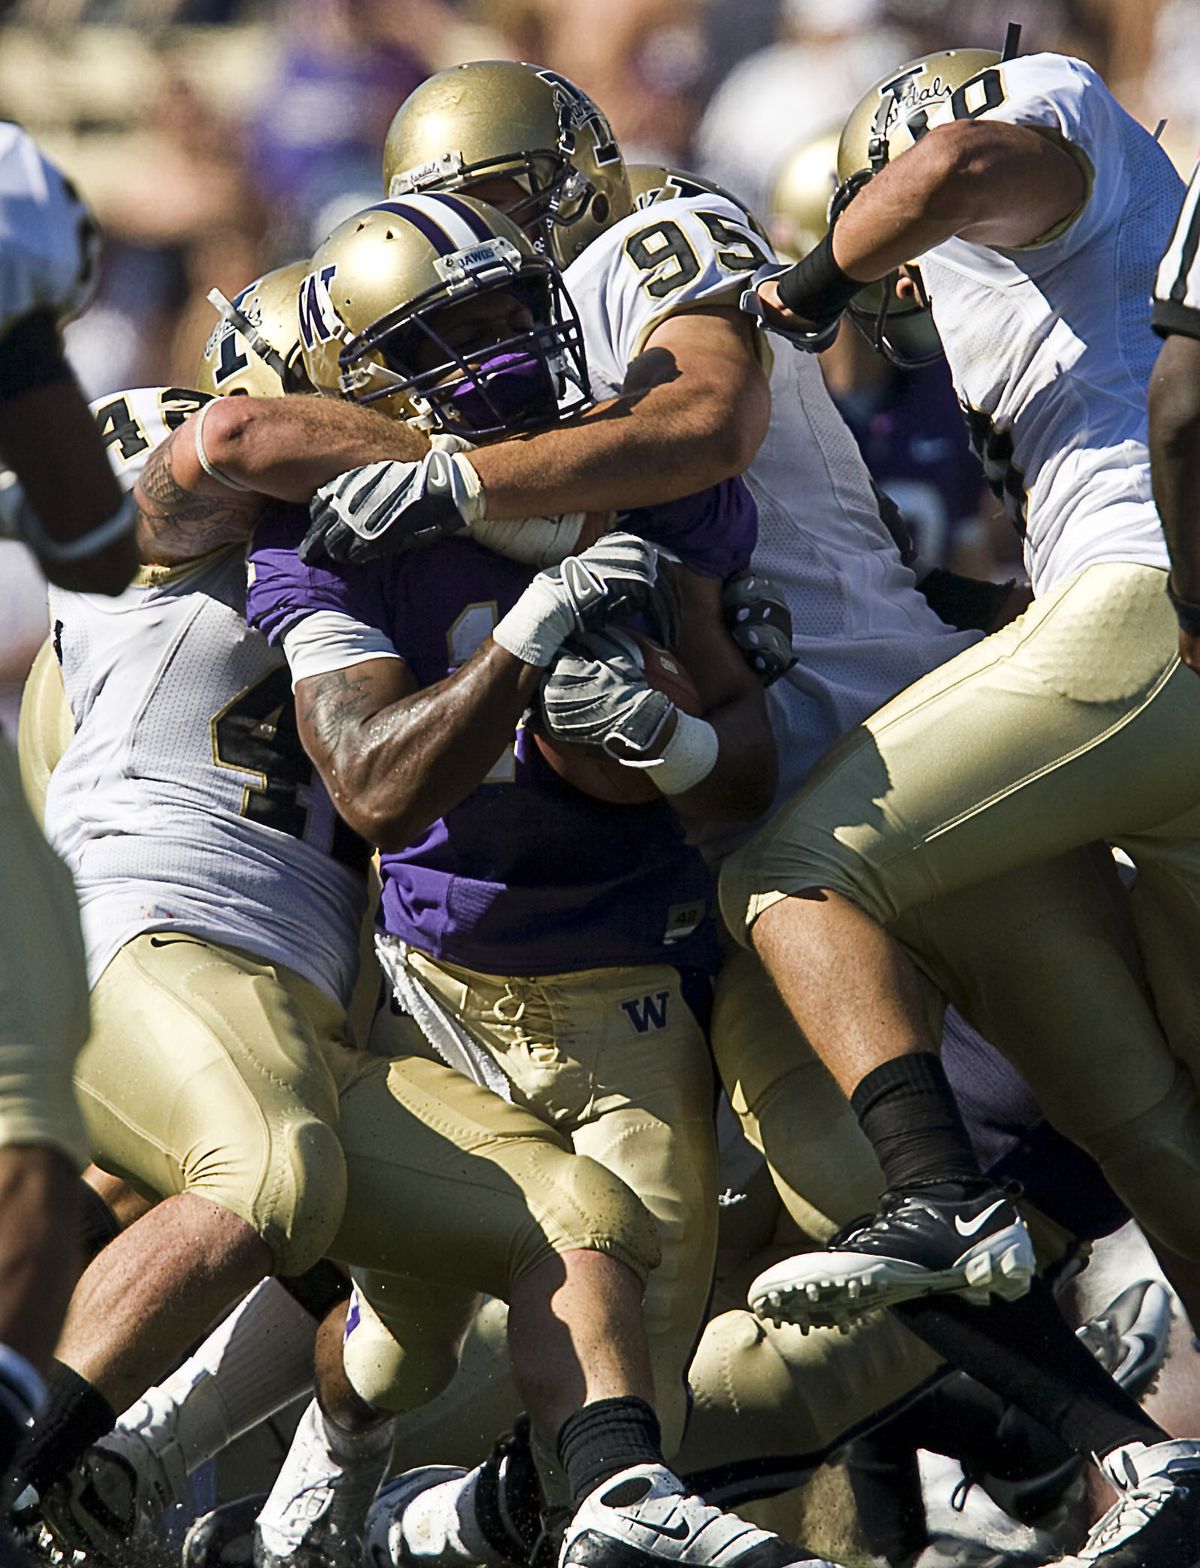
x=985 y=181
x=693 y=411
x=1175 y=473
x=209 y=482
x=393 y=757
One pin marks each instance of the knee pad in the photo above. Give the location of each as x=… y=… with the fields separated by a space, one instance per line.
x=390 y=1375
x=581 y=1206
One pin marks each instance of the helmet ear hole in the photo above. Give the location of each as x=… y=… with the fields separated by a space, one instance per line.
x=600 y=208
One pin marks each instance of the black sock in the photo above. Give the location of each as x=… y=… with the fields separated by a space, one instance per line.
x=907 y=1109
x=605 y=1437
x=1025 y=1352
x=75 y=1415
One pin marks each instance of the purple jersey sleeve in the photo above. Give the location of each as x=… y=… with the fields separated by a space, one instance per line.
x=281 y=589
x=525 y=875
x=712 y=532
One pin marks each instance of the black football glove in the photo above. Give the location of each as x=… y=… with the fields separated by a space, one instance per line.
x=757 y=617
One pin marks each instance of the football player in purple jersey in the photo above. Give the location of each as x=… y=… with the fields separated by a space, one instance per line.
x=556 y=944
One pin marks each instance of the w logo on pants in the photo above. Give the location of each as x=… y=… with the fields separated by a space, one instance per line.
x=647 y=1012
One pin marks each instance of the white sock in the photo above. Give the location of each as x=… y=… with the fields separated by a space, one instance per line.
x=325 y=1484
x=256 y=1362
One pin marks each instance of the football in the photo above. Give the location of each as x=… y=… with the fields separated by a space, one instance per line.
x=603 y=778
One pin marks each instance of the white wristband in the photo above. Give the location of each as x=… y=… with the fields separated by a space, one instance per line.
x=538 y=541
x=688 y=757
x=211 y=469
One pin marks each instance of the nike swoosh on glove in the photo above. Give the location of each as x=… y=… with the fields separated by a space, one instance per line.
x=619 y=574
x=391 y=507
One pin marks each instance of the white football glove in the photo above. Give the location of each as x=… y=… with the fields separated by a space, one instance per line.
x=390 y=507
x=619 y=573
x=596 y=695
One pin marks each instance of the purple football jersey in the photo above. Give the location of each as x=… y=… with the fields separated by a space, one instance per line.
x=526 y=875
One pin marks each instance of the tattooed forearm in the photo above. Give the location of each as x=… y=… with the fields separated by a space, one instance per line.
x=332 y=704
x=176 y=524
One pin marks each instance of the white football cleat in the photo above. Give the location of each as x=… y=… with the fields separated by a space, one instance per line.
x=428 y=1517
x=316 y=1511
x=1155 y=1521
x=643 y=1517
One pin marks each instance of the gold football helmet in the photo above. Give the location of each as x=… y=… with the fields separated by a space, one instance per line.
x=891 y=117
x=502 y=119
x=652 y=182
x=798 y=204
x=255 y=347
x=438 y=310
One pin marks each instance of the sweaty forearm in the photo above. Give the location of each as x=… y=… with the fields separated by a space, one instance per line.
x=285 y=447
x=635 y=450
x=392 y=771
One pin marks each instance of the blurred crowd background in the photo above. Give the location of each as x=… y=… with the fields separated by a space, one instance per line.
x=218 y=138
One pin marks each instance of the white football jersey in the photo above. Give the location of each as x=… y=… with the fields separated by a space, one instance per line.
x=861 y=629
x=48 y=240
x=1177 y=288
x=185 y=801
x=1050 y=345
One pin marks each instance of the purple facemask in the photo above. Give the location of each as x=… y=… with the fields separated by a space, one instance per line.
x=508 y=390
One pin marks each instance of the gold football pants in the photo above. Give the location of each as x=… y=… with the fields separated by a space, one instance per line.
x=1074 y=724
x=212 y=1072
x=614 y=1062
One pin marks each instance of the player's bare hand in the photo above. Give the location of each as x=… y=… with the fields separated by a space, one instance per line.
x=763 y=303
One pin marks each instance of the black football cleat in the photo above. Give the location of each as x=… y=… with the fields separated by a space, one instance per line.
x=935 y=1239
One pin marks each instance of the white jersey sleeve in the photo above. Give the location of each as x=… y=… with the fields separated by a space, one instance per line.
x=1068 y=101
x=670 y=257
x=1177 y=288
x=49 y=242
x=1050 y=344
